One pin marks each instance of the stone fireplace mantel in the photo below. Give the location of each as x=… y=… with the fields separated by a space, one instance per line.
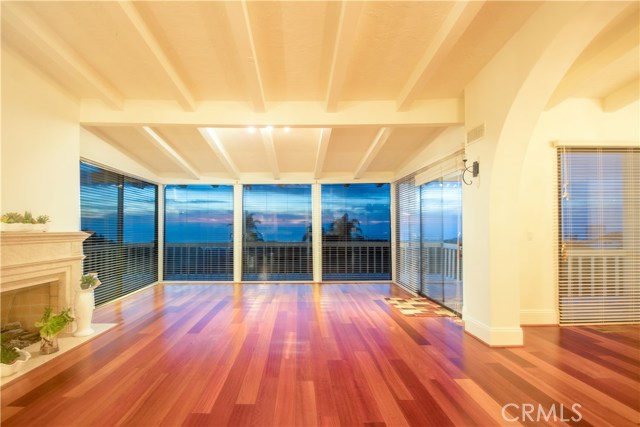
x=29 y=259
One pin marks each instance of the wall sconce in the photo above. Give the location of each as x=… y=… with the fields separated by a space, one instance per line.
x=474 y=169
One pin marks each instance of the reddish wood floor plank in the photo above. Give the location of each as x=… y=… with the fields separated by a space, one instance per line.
x=321 y=355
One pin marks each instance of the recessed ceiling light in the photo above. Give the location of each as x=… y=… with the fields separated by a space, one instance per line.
x=287 y=129
x=251 y=129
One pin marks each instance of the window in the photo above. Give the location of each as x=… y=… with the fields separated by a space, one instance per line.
x=599 y=245
x=277 y=233
x=198 y=232
x=356 y=230
x=121 y=214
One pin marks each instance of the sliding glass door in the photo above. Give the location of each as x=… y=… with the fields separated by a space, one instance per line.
x=441 y=240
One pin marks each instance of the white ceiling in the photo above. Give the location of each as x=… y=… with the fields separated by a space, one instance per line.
x=363 y=85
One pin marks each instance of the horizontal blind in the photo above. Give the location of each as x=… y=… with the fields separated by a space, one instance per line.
x=277 y=238
x=356 y=232
x=408 y=234
x=198 y=232
x=121 y=214
x=599 y=241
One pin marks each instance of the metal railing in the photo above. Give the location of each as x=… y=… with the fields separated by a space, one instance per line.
x=598 y=271
x=359 y=260
x=198 y=261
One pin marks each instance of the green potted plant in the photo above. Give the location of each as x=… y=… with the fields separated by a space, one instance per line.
x=50 y=326
x=12 y=359
x=85 y=304
x=14 y=221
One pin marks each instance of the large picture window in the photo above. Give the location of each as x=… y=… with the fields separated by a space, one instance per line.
x=356 y=232
x=277 y=233
x=120 y=212
x=198 y=232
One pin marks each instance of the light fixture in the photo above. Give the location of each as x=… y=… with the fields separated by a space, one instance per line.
x=251 y=129
x=474 y=169
x=287 y=128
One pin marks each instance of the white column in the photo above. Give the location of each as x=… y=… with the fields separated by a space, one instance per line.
x=316 y=224
x=160 y=232
x=393 y=231
x=237 y=232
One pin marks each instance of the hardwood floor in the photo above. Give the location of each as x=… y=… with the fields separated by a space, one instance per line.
x=308 y=355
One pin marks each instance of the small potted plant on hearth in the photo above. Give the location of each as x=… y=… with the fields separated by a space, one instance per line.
x=13 y=359
x=50 y=326
x=85 y=304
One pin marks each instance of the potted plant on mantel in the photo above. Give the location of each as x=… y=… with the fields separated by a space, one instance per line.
x=14 y=221
x=85 y=304
x=50 y=326
x=13 y=359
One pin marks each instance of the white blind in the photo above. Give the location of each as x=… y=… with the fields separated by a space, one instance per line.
x=408 y=233
x=356 y=232
x=120 y=212
x=599 y=236
x=198 y=242
x=277 y=233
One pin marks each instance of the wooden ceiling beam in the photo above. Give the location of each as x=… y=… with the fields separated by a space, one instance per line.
x=168 y=150
x=374 y=148
x=241 y=27
x=211 y=137
x=345 y=40
x=455 y=24
x=184 y=96
x=35 y=31
x=321 y=152
x=214 y=114
x=270 y=149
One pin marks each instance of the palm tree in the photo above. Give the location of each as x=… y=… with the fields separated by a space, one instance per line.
x=251 y=233
x=308 y=234
x=345 y=229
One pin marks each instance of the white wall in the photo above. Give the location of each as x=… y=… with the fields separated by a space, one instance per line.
x=100 y=152
x=448 y=142
x=40 y=146
x=573 y=120
x=508 y=96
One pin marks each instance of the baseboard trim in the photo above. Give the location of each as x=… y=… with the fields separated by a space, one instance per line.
x=493 y=336
x=538 y=317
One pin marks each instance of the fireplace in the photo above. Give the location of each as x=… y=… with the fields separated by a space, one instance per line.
x=38 y=270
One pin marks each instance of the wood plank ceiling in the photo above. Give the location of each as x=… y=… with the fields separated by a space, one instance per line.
x=350 y=90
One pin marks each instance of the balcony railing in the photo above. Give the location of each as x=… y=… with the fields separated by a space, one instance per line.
x=442 y=259
x=602 y=272
x=362 y=260
x=198 y=261
x=359 y=260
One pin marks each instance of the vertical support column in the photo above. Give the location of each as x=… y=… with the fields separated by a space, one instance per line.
x=160 y=232
x=316 y=224
x=394 y=229
x=238 y=229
